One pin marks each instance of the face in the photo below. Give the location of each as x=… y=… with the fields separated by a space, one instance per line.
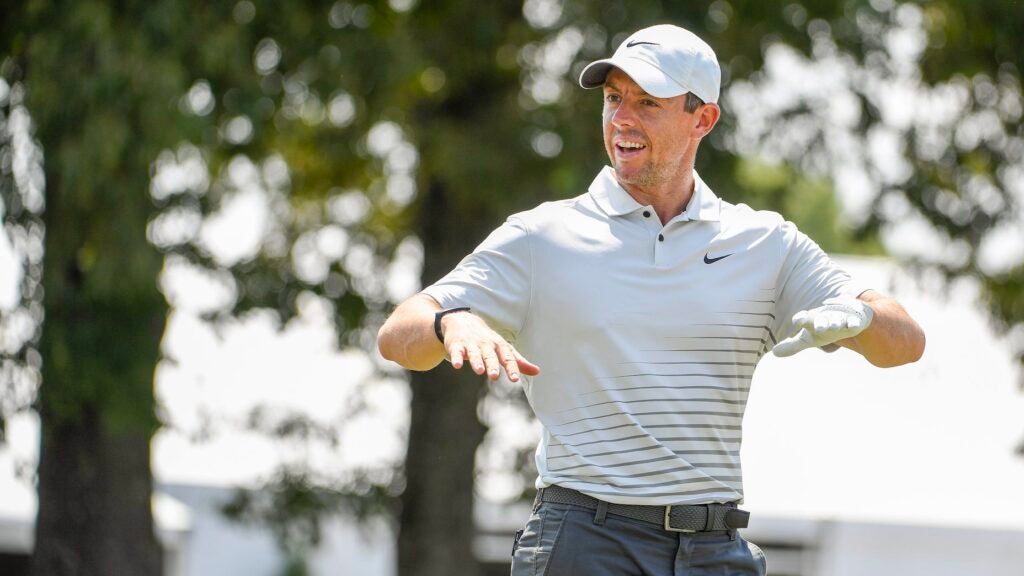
x=649 y=140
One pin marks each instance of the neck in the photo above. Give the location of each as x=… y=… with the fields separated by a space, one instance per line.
x=668 y=197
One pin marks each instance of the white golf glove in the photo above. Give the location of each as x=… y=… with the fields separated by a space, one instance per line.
x=838 y=319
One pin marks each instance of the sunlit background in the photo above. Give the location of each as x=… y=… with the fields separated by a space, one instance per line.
x=208 y=212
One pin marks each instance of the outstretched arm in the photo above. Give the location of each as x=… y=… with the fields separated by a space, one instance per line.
x=893 y=337
x=873 y=325
x=408 y=338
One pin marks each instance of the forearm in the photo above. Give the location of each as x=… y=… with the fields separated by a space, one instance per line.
x=407 y=337
x=893 y=337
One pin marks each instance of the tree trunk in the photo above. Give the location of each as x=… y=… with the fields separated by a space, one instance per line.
x=436 y=523
x=100 y=343
x=437 y=506
x=94 y=495
x=104 y=320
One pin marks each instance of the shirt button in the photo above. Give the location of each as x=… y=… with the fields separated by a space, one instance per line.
x=661 y=237
x=647 y=213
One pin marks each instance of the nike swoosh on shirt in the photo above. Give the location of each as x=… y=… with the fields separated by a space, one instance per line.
x=713 y=260
x=635 y=43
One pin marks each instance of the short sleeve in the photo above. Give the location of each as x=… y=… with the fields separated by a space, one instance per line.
x=807 y=278
x=494 y=280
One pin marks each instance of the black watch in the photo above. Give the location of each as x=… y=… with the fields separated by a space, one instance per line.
x=440 y=314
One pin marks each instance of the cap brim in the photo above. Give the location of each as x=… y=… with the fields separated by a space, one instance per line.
x=648 y=76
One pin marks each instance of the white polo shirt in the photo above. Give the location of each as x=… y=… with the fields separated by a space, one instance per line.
x=647 y=335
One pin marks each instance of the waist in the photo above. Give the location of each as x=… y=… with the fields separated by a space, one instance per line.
x=682 y=518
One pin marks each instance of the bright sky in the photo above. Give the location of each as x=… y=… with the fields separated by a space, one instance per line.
x=296 y=370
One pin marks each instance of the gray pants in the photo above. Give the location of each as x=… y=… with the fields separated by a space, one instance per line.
x=567 y=540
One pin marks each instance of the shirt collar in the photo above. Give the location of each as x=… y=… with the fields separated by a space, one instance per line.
x=704 y=205
x=610 y=196
x=615 y=201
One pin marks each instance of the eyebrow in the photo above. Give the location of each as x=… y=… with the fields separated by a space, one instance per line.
x=613 y=86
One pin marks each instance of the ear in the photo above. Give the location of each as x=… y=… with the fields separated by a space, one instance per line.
x=707 y=117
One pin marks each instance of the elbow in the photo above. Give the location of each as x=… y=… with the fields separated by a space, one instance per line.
x=917 y=350
x=907 y=354
x=385 y=344
x=914 y=349
x=392 y=348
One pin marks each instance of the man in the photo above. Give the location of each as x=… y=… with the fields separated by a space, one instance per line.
x=648 y=301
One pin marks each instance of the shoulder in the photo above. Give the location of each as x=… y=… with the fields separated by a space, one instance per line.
x=551 y=214
x=741 y=219
x=770 y=230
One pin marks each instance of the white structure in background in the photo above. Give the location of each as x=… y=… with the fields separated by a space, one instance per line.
x=219 y=547
x=849 y=469
x=17 y=523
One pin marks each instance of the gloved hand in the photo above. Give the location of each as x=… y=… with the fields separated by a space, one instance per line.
x=837 y=319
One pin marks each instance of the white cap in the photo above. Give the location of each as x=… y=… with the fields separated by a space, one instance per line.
x=666 y=61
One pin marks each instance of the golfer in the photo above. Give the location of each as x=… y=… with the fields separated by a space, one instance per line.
x=634 y=315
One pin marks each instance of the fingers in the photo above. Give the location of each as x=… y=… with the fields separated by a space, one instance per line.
x=790 y=346
x=508 y=361
x=837 y=319
x=821 y=323
x=512 y=361
x=803 y=319
x=481 y=358
x=835 y=322
x=515 y=364
x=457 y=354
x=527 y=367
x=491 y=363
x=490 y=358
x=476 y=361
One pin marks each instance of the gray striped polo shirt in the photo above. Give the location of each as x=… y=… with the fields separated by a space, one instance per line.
x=647 y=335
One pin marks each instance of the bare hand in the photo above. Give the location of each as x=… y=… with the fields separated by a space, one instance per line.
x=469 y=338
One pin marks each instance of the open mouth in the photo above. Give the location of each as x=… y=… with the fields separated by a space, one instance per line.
x=627 y=148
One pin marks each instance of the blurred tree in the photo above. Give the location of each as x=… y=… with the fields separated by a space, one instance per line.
x=97 y=93
x=363 y=125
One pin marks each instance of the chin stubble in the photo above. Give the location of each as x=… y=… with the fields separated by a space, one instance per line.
x=647 y=176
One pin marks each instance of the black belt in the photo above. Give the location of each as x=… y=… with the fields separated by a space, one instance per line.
x=686 y=518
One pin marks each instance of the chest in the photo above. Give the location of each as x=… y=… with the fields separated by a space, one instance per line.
x=654 y=280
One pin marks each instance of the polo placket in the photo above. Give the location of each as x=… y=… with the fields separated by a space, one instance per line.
x=669 y=235
x=660 y=249
x=656 y=232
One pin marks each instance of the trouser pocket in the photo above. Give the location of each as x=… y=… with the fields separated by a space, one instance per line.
x=531 y=551
x=758 y=554
x=515 y=543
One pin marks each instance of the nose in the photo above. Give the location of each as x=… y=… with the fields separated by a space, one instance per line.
x=622 y=115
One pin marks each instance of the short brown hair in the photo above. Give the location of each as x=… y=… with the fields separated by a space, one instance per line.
x=692 y=102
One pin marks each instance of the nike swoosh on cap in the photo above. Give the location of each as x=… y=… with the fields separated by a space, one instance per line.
x=635 y=43
x=713 y=260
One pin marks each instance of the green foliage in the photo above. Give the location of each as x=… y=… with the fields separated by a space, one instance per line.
x=807 y=200
x=1005 y=298
x=375 y=121
x=92 y=88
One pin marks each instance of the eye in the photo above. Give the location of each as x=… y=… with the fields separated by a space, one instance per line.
x=612 y=98
x=649 y=102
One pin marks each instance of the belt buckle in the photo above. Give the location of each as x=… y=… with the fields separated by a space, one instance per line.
x=668 y=525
